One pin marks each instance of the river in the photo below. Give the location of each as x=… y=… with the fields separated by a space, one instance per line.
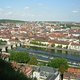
x=46 y=56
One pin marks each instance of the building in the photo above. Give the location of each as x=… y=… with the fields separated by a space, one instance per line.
x=23 y=68
x=46 y=73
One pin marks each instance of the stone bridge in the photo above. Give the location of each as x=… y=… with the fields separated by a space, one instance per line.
x=5 y=48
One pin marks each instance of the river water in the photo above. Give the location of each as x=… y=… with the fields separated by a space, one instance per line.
x=46 y=56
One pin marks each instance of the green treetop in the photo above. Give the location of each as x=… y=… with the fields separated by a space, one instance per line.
x=59 y=63
x=21 y=57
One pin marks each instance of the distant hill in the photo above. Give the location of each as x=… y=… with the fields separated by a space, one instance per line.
x=9 y=20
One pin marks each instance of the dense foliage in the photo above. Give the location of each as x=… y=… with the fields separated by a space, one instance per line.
x=8 y=20
x=8 y=73
x=37 y=48
x=58 y=62
x=33 y=61
x=21 y=57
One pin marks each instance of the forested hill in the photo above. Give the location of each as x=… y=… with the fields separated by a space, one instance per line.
x=9 y=20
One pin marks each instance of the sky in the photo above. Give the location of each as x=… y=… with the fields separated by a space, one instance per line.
x=40 y=10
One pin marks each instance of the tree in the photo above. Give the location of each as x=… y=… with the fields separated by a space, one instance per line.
x=20 y=57
x=33 y=61
x=59 y=63
x=53 y=45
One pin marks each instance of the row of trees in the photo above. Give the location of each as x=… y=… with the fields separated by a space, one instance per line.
x=37 y=48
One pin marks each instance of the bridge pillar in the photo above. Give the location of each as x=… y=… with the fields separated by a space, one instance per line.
x=3 y=49
x=0 y=50
x=6 y=48
x=11 y=46
x=20 y=45
x=16 y=45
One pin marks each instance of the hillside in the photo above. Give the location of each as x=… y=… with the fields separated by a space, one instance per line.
x=9 y=20
x=8 y=73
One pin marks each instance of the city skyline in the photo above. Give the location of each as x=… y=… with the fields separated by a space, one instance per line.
x=40 y=10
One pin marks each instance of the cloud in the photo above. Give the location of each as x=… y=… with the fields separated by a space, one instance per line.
x=8 y=7
x=26 y=7
x=75 y=11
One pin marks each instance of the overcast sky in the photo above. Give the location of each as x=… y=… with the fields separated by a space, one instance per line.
x=54 y=10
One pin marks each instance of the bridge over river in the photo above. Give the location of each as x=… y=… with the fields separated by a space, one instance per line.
x=5 y=48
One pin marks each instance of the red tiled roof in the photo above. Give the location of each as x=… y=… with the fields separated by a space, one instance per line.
x=59 y=42
x=75 y=44
x=74 y=70
x=59 y=35
x=25 y=69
